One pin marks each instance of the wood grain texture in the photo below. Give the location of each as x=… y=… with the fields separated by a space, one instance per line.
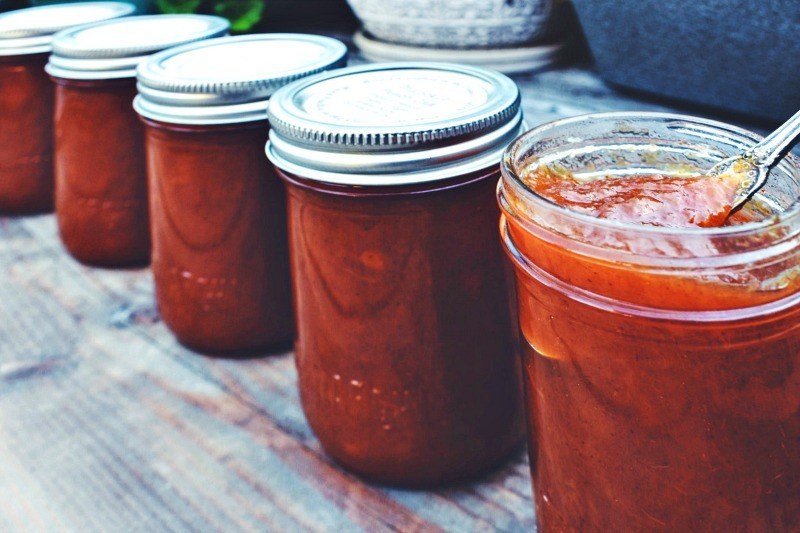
x=107 y=424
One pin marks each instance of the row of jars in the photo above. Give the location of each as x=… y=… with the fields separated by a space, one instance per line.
x=661 y=367
x=380 y=180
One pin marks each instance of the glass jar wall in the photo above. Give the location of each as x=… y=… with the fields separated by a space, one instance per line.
x=219 y=232
x=405 y=352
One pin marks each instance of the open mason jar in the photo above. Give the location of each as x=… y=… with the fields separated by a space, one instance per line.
x=404 y=349
x=662 y=366
x=26 y=98
x=218 y=211
x=101 y=184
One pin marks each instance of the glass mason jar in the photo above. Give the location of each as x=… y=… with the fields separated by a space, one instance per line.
x=220 y=258
x=26 y=99
x=662 y=366
x=101 y=184
x=405 y=349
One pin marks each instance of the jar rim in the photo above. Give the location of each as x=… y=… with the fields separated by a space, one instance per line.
x=510 y=175
x=598 y=300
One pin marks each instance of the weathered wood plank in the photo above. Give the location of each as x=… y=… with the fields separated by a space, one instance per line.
x=128 y=415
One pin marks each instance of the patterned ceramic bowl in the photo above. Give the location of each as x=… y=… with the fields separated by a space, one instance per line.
x=454 y=23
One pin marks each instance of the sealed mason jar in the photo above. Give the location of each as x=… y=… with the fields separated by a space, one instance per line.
x=100 y=178
x=662 y=365
x=218 y=210
x=26 y=99
x=405 y=353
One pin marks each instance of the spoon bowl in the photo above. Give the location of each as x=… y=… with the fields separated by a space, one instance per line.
x=743 y=170
x=750 y=169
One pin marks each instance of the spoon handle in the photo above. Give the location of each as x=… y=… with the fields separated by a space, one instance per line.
x=768 y=151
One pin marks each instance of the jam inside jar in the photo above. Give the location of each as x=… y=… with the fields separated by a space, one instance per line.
x=218 y=210
x=405 y=348
x=26 y=99
x=219 y=234
x=662 y=365
x=26 y=138
x=101 y=184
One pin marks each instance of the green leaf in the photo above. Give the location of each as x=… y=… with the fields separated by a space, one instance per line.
x=243 y=14
x=178 y=6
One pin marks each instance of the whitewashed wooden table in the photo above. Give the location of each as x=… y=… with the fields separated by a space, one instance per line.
x=107 y=424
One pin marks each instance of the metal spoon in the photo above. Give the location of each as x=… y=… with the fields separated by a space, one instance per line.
x=754 y=164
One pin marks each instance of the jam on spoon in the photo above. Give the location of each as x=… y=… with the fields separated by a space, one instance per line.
x=751 y=167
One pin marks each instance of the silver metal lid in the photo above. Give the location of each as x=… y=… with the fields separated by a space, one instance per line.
x=30 y=31
x=230 y=79
x=114 y=48
x=394 y=124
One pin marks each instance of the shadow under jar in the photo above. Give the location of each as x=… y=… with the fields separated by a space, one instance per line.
x=101 y=183
x=662 y=365
x=218 y=210
x=26 y=99
x=405 y=349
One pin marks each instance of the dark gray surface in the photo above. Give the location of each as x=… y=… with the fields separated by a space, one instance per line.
x=740 y=55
